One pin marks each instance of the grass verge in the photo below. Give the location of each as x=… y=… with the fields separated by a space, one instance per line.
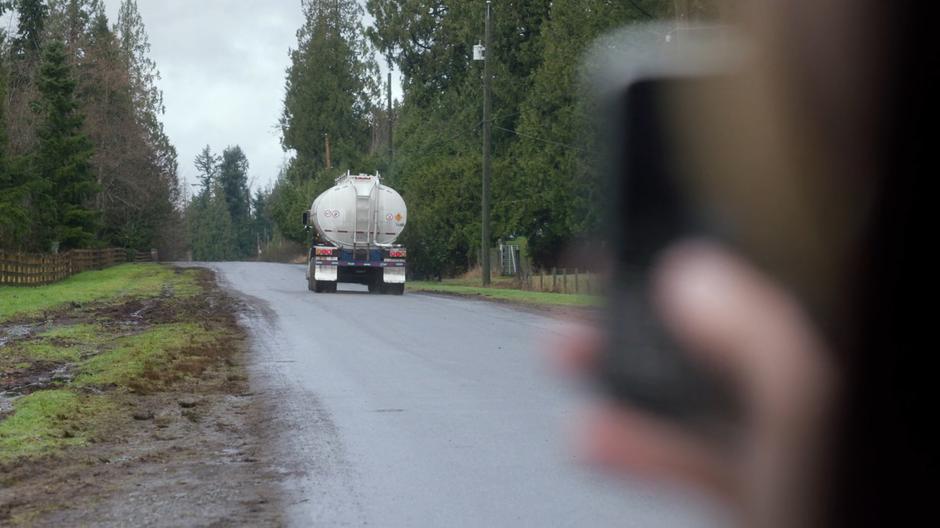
x=505 y=294
x=92 y=341
x=126 y=280
x=147 y=361
x=51 y=420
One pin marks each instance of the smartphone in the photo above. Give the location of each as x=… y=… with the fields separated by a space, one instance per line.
x=651 y=206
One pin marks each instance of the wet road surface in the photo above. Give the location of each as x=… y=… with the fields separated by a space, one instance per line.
x=424 y=410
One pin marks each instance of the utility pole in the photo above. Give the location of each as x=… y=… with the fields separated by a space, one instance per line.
x=487 y=109
x=682 y=21
x=391 y=148
x=329 y=161
x=681 y=10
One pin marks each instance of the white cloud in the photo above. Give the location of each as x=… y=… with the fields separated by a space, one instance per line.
x=222 y=65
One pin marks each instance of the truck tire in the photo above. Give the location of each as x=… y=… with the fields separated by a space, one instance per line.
x=312 y=283
x=395 y=289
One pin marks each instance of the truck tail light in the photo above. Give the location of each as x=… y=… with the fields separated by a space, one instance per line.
x=397 y=253
x=325 y=251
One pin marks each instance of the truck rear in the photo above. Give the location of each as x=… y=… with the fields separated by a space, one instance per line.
x=357 y=222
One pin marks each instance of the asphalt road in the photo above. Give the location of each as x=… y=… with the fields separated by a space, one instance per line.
x=424 y=410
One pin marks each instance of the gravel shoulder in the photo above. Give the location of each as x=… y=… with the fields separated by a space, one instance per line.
x=178 y=443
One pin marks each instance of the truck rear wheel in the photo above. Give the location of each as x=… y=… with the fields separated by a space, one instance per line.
x=375 y=284
x=395 y=289
x=311 y=283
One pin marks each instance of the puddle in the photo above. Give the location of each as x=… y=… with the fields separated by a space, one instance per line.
x=6 y=403
x=13 y=332
x=33 y=382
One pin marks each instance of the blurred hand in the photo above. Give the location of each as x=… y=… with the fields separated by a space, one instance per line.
x=725 y=313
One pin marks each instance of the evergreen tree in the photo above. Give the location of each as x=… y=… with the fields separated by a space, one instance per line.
x=233 y=181
x=544 y=186
x=135 y=46
x=31 y=21
x=61 y=165
x=133 y=162
x=554 y=182
x=262 y=225
x=437 y=166
x=3 y=99
x=219 y=217
x=288 y=200
x=212 y=236
x=13 y=216
x=207 y=169
x=331 y=84
x=14 y=203
x=70 y=20
x=148 y=99
x=138 y=194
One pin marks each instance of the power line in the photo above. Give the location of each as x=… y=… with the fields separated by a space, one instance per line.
x=640 y=9
x=536 y=138
x=436 y=141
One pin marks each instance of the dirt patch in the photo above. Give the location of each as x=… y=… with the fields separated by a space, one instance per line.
x=186 y=454
x=37 y=376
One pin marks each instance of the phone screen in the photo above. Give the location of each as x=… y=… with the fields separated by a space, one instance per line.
x=651 y=208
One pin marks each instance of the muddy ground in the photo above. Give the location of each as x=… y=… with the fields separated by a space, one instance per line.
x=190 y=454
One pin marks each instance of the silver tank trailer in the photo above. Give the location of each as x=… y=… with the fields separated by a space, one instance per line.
x=359 y=211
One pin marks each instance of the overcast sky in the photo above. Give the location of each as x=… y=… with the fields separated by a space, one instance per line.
x=223 y=64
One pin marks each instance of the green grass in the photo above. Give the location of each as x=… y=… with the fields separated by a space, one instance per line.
x=43 y=351
x=48 y=421
x=126 y=280
x=51 y=420
x=505 y=294
x=80 y=333
x=144 y=360
x=62 y=343
x=60 y=417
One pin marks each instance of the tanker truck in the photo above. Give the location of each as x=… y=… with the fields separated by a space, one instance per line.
x=357 y=222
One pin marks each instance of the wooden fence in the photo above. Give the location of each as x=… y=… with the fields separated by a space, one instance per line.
x=560 y=280
x=31 y=269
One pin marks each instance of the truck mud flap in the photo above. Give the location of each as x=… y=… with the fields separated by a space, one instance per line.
x=325 y=273
x=393 y=275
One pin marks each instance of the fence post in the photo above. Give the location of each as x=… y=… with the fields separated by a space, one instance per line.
x=554 y=279
x=564 y=280
x=576 y=285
